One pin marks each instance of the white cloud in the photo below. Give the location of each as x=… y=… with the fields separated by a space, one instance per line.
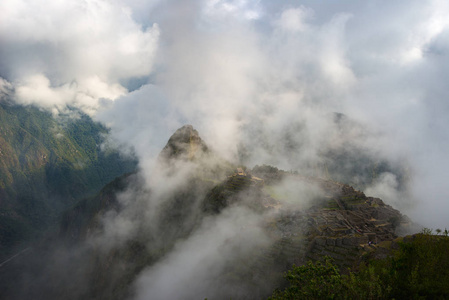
x=72 y=52
x=260 y=77
x=238 y=9
x=295 y=19
x=196 y=267
x=83 y=94
x=264 y=75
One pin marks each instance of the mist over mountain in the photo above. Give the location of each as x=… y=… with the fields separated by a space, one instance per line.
x=47 y=165
x=301 y=113
x=259 y=79
x=201 y=227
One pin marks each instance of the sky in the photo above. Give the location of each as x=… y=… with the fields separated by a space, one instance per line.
x=254 y=75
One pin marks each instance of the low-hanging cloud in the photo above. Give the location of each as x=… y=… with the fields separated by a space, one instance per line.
x=250 y=75
x=260 y=80
x=72 y=53
x=196 y=267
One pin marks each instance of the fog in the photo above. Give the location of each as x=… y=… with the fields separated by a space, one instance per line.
x=197 y=266
x=199 y=252
x=260 y=81
x=316 y=87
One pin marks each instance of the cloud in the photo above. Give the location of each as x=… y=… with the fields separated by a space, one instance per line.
x=150 y=122
x=265 y=89
x=260 y=81
x=295 y=19
x=197 y=266
x=5 y=89
x=71 y=52
x=385 y=187
x=234 y=9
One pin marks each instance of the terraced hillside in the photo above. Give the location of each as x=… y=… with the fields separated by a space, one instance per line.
x=343 y=224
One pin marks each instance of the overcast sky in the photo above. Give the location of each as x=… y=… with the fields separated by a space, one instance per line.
x=232 y=68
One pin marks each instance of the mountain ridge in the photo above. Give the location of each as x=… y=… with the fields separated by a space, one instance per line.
x=339 y=221
x=270 y=220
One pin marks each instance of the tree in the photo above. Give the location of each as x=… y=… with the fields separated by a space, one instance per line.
x=419 y=269
x=320 y=280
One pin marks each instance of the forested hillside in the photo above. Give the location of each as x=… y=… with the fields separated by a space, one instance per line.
x=46 y=165
x=413 y=267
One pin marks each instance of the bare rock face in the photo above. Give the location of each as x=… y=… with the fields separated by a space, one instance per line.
x=185 y=144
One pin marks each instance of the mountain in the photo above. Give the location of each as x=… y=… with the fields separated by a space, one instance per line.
x=184 y=144
x=48 y=164
x=337 y=220
x=200 y=226
x=347 y=151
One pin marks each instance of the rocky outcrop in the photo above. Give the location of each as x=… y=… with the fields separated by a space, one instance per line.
x=184 y=144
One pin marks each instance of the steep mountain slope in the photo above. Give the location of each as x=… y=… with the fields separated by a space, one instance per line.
x=203 y=227
x=336 y=220
x=46 y=165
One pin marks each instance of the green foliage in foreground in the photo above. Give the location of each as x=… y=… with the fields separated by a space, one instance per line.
x=323 y=280
x=419 y=269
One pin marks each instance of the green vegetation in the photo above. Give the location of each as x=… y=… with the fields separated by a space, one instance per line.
x=321 y=280
x=419 y=269
x=265 y=169
x=46 y=166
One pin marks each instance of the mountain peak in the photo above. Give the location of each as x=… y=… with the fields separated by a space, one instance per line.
x=185 y=143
